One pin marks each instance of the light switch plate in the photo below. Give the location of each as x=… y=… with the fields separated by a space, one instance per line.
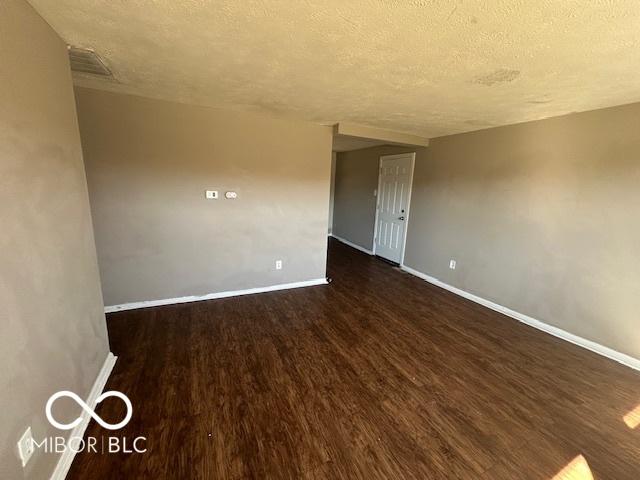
x=25 y=446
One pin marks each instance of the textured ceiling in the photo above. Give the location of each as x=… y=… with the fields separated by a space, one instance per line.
x=425 y=67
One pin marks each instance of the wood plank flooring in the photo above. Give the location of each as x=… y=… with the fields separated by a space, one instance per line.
x=378 y=375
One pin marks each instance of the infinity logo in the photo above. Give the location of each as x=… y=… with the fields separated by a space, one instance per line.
x=89 y=410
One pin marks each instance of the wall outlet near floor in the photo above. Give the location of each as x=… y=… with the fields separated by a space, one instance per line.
x=211 y=194
x=25 y=446
x=278 y=264
x=452 y=264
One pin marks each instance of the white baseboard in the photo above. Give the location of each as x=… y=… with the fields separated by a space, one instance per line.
x=66 y=459
x=212 y=296
x=351 y=244
x=550 y=329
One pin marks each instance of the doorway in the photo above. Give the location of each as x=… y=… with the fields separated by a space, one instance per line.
x=392 y=206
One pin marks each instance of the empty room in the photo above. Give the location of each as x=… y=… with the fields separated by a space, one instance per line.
x=278 y=239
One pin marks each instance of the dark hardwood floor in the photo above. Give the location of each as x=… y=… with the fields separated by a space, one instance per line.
x=378 y=375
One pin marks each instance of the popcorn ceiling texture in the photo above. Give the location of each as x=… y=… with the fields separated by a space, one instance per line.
x=424 y=67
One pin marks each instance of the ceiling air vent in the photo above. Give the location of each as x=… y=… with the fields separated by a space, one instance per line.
x=87 y=61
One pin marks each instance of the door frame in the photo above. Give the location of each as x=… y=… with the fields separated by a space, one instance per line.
x=406 y=226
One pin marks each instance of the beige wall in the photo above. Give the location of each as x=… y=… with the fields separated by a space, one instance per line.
x=356 y=180
x=52 y=331
x=332 y=189
x=149 y=163
x=542 y=217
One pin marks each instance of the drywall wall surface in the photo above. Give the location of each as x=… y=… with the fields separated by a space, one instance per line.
x=52 y=329
x=148 y=165
x=542 y=217
x=332 y=189
x=356 y=180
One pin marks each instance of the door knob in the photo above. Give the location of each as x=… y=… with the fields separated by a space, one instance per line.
x=400 y=218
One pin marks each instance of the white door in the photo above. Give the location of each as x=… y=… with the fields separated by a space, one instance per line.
x=394 y=194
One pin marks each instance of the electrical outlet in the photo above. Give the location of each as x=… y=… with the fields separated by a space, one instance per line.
x=25 y=446
x=278 y=264
x=211 y=194
x=452 y=264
